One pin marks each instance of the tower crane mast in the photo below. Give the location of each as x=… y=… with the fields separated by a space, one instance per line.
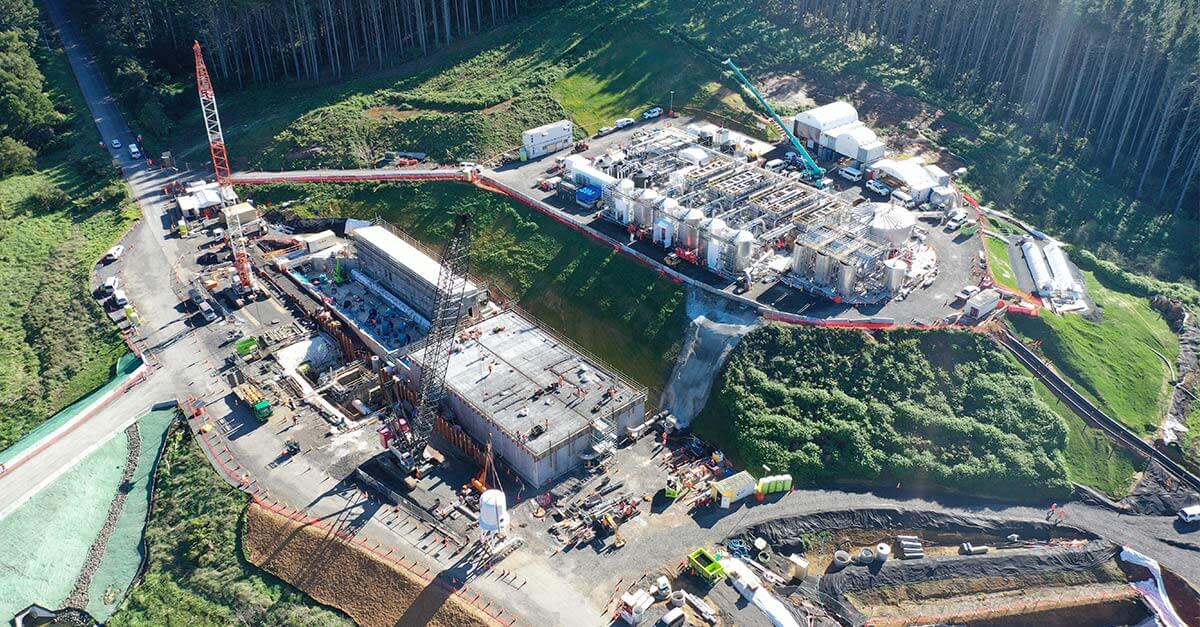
x=220 y=160
x=212 y=120
x=408 y=444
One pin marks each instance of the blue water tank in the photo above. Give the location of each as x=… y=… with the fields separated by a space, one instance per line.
x=587 y=195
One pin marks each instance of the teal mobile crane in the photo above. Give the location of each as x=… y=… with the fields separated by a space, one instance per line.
x=813 y=173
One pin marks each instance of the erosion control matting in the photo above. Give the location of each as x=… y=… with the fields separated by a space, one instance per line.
x=46 y=539
x=124 y=551
x=372 y=591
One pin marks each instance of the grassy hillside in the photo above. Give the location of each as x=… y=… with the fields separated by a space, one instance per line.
x=1000 y=261
x=624 y=313
x=1113 y=360
x=1091 y=457
x=196 y=573
x=934 y=409
x=55 y=343
x=475 y=99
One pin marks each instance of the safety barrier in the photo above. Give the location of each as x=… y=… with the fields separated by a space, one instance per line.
x=347 y=176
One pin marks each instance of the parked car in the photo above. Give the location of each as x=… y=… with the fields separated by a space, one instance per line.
x=135 y=152
x=114 y=253
x=879 y=187
x=604 y=130
x=207 y=311
x=652 y=113
x=775 y=165
x=1190 y=514
x=851 y=174
x=967 y=292
x=901 y=197
x=623 y=122
x=957 y=218
x=196 y=296
x=110 y=285
x=116 y=144
x=119 y=299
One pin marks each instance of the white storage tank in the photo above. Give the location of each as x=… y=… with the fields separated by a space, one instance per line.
x=743 y=244
x=846 y=276
x=622 y=197
x=1043 y=281
x=718 y=241
x=892 y=225
x=893 y=274
x=664 y=232
x=493 y=512
x=821 y=269
x=648 y=198
x=689 y=233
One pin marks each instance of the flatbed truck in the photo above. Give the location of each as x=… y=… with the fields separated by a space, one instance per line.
x=253 y=397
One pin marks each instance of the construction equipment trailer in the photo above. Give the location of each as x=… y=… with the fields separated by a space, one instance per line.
x=813 y=173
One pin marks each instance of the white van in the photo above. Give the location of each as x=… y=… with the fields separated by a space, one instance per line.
x=775 y=165
x=119 y=298
x=1190 y=514
x=110 y=284
x=902 y=198
x=851 y=174
x=623 y=122
x=207 y=311
x=135 y=152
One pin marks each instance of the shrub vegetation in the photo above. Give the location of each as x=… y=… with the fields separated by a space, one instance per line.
x=937 y=408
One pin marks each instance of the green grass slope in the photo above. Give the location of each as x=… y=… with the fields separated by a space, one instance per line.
x=196 y=573
x=622 y=312
x=56 y=345
x=475 y=99
x=1116 y=360
x=933 y=409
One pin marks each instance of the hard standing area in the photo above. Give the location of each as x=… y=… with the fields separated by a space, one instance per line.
x=545 y=404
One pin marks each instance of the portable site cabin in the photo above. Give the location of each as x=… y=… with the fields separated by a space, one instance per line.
x=733 y=488
x=546 y=139
x=983 y=303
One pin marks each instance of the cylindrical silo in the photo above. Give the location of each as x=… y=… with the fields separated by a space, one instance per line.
x=846 y=279
x=719 y=237
x=743 y=246
x=821 y=269
x=689 y=235
x=622 y=197
x=893 y=274
x=644 y=210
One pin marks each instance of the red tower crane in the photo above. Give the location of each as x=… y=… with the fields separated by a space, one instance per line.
x=212 y=121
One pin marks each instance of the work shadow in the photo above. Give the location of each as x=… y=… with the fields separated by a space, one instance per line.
x=707 y=516
x=1182 y=527
x=470 y=565
x=239 y=419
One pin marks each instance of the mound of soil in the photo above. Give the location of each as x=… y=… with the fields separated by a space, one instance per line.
x=371 y=591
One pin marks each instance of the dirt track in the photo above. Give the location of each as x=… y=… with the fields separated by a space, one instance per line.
x=373 y=592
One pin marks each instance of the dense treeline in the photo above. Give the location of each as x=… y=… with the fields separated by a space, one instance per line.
x=309 y=39
x=914 y=408
x=27 y=116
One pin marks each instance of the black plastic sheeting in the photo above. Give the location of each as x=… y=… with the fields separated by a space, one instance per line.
x=1159 y=494
x=785 y=535
x=306 y=225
